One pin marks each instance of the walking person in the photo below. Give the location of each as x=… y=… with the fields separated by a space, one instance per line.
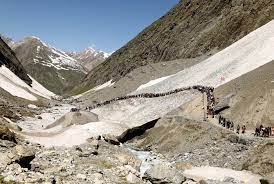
x=238 y=129
x=232 y=126
x=243 y=129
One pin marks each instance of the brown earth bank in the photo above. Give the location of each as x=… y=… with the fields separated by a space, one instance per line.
x=189 y=143
x=252 y=97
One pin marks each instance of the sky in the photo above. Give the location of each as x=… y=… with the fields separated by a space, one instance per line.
x=73 y=25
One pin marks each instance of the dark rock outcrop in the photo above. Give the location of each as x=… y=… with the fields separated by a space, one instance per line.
x=267 y=180
x=8 y=58
x=136 y=131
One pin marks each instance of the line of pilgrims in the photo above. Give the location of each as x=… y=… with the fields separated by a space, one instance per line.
x=260 y=131
x=203 y=89
x=209 y=91
x=230 y=125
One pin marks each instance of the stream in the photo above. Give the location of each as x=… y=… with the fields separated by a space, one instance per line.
x=148 y=159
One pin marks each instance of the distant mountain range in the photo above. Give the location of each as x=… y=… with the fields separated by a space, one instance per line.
x=89 y=58
x=57 y=70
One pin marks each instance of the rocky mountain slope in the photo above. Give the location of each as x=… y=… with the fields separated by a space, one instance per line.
x=7 y=40
x=190 y=29
x=8 y=58
x=89 y=58
x=51 y=67
x=18 y=89
x=177 y=141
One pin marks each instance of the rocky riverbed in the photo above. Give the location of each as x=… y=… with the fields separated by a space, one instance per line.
x=147 y=159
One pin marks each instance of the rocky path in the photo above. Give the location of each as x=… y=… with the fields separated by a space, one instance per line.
x=249 y=134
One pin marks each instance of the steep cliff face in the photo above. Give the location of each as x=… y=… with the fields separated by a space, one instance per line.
x=190 y=29
x=8 y=58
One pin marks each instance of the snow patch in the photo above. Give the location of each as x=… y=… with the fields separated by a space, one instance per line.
x=153 y=82
x=97 y=88
x=107 y=84
x=42 y=91
x=78 y=134
x=14 y=85
x=32 y=106
x=216 y=173
x=17 y=87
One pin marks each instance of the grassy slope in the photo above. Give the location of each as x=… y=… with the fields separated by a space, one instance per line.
x=52 y=78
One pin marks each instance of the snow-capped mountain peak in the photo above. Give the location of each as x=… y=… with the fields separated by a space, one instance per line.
x=47 y=55
x=89 y=57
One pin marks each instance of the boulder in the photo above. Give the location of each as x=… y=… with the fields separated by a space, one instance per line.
x=10 y=124
x=267 y=180
x=94 y=142
x=6 y=134
x=88 y=153
x=6 y=112
x=162 y=173
x=111 y=139
x=127 y=159
x=21 y=155
x=236 y=139
x=132 y=178
x=74 y=110
x=202 y=182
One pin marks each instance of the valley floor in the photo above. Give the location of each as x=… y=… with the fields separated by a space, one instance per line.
x=92 y=159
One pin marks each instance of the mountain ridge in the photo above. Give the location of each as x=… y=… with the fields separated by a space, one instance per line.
x=89 y=57
x=51 y=67
x=189 y=30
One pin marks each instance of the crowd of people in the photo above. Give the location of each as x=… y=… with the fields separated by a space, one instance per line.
x=209 y=91
x=230 y=125
x=262 y=131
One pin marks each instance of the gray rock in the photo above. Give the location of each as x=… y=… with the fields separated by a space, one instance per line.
x=88 y=153
x=162 y=173
x=94 y=142
x=111 y=139
x=202 y=182
x=21 y=155
x=132 y=178
x=236 y=139
x=231 y=180
x=81 y=176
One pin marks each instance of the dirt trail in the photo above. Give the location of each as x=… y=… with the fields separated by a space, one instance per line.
x=248 y=134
